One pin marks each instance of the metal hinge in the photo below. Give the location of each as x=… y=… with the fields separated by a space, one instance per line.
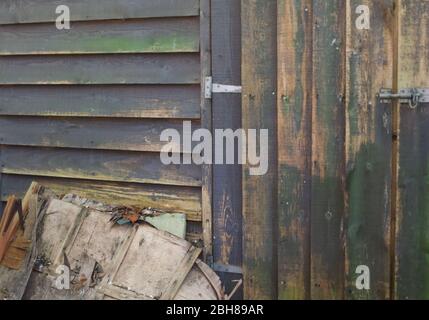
x=210 y=87
x=413 y=96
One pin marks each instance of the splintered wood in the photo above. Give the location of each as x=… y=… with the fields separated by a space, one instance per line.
x=81 y=254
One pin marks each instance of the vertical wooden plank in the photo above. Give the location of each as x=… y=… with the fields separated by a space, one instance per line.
x=226 y=65
x=294 y=43
x=412 y=223
x=206 y=123
x=368 y=148
x=259 y=112
x=328 y=128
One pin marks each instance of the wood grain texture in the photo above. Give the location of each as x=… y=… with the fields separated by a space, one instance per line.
x=259 y=111
x=206 y=123
x=119 y=101
x=412 y=223
x=85 y=133
x=369 y=149
x=328 y=127
x=295 y=42
x=101 y=69
x=129 y=36
x=227 y=213
x=116 y=166
x=31 y=11
x=168 y=198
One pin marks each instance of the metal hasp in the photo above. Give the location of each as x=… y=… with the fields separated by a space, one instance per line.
x=413 y=96
x=211 y=87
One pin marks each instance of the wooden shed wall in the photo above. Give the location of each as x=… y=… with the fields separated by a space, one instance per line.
x=83 y=109
x=348 y=178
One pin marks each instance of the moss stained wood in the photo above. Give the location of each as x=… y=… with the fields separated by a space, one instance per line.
x=412 y=236
x=101 y=69
x=328 y=127
x=258 y=110
x=369 y=149
x=32 y=11
x=129 y=36
x=295 y=23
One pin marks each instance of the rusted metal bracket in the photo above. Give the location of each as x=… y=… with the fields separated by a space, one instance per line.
x=413 y=96
x=210 y=87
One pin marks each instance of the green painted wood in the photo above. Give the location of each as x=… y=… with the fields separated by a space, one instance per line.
x=412 y=220
x=168 y=198
x=101 y=165
x=369 y=150
x=119 y=101
x=101 y=69
x=30 y=11
x=328 y=127
x=295 y=23
x=85 y=133
x=132 y=36
x=259 y=112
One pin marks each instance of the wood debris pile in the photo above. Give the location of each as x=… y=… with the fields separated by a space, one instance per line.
x=73 y=248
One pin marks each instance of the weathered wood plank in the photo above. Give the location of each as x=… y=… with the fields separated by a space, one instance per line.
x=259 y=112
x=206 y=123
x=132 y=36
x=412 y=223
x=85 y=133
x=130 y=101
x=30 y=11
x=295 y=29
x=328 y=127
x=369 y=149
x=116 y=166
x=168 y=198
x=101 y=69
x=227 y=213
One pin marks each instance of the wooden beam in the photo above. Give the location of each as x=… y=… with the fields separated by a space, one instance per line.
x=368 y=149
x=259 y=112
x=294 y=105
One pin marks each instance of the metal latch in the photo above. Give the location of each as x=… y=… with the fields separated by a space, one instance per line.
x=413 y=96
x=211 y=87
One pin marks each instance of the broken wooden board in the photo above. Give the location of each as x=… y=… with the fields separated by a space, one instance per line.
x=19 y=259
x=137 y=262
